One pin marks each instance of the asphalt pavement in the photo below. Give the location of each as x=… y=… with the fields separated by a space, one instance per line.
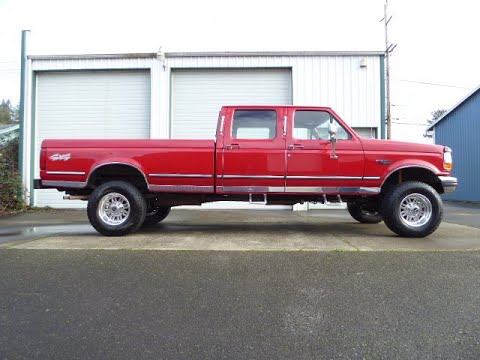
x=313 y=285
x=239 y=305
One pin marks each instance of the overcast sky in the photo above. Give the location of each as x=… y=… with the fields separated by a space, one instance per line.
x=437 y=40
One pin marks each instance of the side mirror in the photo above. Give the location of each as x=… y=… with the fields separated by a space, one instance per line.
x=332 y=130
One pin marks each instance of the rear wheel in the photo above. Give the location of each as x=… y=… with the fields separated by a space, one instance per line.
x=116 y=208
x=412 y=209
x=156 y=215
x=364 y=213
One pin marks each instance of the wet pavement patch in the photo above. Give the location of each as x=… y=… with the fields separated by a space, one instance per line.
x=242 y=230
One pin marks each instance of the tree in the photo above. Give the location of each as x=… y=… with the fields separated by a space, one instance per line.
x=8 y=112
x=435 y=115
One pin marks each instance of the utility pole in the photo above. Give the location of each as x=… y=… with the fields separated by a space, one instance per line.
x=388 y=49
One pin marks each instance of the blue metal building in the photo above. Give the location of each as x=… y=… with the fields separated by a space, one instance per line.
x=459 y=129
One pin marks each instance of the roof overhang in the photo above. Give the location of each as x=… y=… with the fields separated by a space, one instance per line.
x=206 y=54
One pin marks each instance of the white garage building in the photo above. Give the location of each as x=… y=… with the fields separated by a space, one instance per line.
x=178 y=95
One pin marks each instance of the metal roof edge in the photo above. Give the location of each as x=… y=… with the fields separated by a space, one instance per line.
x=274 y=53
x=206 y=54
x=93 y=56
x=453 y=108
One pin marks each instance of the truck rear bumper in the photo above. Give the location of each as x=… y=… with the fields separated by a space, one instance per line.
x=449 y=183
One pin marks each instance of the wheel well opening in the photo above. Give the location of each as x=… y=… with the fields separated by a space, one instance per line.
x=121 y=172
x=414 y=174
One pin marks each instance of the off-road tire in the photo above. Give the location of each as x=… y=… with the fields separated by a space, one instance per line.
x=403 y=205
x=156 y=215
x=364 y=213
x=131 y=196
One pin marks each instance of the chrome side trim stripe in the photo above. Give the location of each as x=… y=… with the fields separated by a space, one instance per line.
x=204 y=176
x=66 y=184
x=301 y=189
x=294 y=177
x=324 y=177
x=333 y=190
x=281 y=177
x=253 y=189
x=66 y=172
x=181 y=188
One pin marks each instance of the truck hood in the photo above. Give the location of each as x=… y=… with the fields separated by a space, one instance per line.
x=401 y=146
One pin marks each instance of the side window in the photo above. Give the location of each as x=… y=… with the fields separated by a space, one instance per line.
x=313 y=125
x=254 y=124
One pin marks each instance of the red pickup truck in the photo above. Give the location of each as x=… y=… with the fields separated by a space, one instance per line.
x=262 y=154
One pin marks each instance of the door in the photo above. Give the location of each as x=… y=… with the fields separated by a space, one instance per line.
x=312 y=164
x=253 y=152
x=89 y=105
x=207 y=90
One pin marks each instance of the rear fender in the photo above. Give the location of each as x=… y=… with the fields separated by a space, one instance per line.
x=117 y=161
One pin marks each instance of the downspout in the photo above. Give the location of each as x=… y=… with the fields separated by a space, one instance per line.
x=21 y=109
x=382 y=97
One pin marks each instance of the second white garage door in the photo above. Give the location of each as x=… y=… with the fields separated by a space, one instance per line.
x=197 y=96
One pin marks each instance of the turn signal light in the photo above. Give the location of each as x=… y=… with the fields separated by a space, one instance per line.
x=447 y=158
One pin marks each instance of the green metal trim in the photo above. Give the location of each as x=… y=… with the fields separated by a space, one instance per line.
x=170 y=102
x=21 y=110
x=33 y=137
x=382 y=97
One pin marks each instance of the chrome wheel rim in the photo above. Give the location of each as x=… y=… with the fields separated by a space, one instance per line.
x=114 y=209
x=415 y=210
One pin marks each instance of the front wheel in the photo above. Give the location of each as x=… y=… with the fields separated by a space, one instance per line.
x=412 y=209
x=116 y=208
x=364 y=213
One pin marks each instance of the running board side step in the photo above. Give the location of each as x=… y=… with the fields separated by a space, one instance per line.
x=328 y=203
x=76 y=197
x=252 y=199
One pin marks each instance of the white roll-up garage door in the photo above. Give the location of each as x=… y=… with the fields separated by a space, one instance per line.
x=89 y=104
x=198 y=95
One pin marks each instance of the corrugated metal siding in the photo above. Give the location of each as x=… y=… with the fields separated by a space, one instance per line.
x=207 y=90
x=76 y=105
x=336 y=81
x=460 y=130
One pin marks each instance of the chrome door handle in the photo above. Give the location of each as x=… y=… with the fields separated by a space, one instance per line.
x=295 y=146
x=232 y=146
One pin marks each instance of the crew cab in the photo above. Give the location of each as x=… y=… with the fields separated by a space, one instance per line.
x=262 y=154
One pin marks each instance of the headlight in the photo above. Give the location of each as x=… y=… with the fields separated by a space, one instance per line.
x=447 y=158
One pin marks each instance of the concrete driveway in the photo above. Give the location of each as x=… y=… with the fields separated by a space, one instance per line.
x=240 y=230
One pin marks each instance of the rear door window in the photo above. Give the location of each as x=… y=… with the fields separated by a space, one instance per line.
x=254 y=124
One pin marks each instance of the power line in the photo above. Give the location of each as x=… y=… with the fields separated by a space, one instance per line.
x=434 y=84
x=407 y=123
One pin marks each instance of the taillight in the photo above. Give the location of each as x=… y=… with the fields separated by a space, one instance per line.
x=43 y=158
x=447 y=158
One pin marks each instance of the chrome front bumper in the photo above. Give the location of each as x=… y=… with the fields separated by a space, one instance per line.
x=449 y=183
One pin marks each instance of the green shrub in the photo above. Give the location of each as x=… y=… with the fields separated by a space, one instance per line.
x=11 y=189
